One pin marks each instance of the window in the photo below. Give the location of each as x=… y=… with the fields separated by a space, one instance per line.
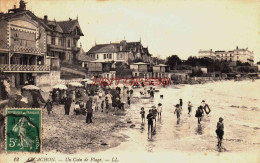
x=68 y=43
x=97 y=56
x=53 y=40
x=105 y=57
x=110 y=56
x=61 y=42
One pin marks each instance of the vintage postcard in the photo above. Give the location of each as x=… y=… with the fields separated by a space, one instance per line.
x=129 y=81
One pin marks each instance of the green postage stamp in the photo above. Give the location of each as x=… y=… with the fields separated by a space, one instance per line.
x=23 y=130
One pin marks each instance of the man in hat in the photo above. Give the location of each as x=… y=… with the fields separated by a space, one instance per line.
x=220 y=131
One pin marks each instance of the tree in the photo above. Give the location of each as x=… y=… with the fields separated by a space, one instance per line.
x=196 y=73
x=173 y=61
x=239 y=63
x=192 y=61
x=123 y=70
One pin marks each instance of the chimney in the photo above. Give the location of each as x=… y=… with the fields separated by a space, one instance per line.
x=45 y=18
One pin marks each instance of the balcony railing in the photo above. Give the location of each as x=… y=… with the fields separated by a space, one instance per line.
x=24 y=49
x=23 y=68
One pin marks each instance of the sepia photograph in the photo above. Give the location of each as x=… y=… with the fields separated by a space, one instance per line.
x=129 y=81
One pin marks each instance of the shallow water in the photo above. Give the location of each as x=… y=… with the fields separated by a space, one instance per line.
x=237 y=102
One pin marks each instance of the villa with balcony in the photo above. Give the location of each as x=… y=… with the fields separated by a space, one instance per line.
x=32 y=48
x=23 y=47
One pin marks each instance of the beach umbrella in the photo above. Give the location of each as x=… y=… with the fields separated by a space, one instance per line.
x=31 y=87
x=76 y=84
x=60 y=87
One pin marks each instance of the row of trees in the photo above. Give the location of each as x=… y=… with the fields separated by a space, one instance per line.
x=212 y=65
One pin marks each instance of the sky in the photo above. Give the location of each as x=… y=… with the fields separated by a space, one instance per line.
x=166 y=27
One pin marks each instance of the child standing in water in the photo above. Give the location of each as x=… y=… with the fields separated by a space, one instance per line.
x=159 y=109
x=150 y=122
x=220 y=131
x=142 y=114
x=189 y=107
x=178 y=112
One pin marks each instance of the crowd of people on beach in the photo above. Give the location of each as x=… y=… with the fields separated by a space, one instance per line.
x=87 y=101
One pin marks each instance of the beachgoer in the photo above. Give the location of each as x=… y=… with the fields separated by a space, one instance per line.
x=150 y=122
x=89 y=111
x=152 y=94
x=154 y=111
x=220 y=131
x=49 y=106
x=178 y=112
x=95 y=102
x=142 y=114
x=181 y=103
x=131 y=91
x=100 y=94
x=73 y=95
x=199 y=114
x=35 y=100
x=118 y=103
x=67 y=105
x=128 y=100
x=109 y=100
x=205 y=106
x=189 y=107
x=107 y=105
x=159 y=109
x=54 y=94
x=77 y=107
x=102 y=106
